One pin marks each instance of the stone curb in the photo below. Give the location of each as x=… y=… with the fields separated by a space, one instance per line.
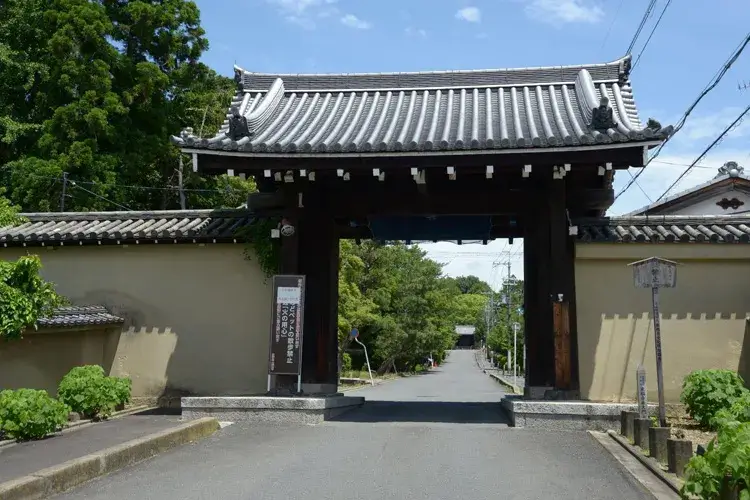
x=82 y=424
x=498 y=378
x=58 y=478
x=649 y=463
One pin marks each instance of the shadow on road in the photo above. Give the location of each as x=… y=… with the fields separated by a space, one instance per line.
x=427 y=411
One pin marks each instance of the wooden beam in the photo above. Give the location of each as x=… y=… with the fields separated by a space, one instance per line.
x=619 y=158
x=382 y=199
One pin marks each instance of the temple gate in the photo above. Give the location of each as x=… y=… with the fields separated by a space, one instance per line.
x=454 y=155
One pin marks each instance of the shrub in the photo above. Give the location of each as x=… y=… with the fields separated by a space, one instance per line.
x=346 y=362
x=738 y=412
x=706 y=392
x=92 y=394
x=30 y=414
x=727 y=460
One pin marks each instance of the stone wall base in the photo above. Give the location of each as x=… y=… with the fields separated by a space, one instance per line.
x=269 y=409
x=566 y=415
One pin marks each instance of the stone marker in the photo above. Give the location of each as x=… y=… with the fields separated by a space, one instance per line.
x=657 y=443
x=627 y=419
x=679 y=453
x=640 y=432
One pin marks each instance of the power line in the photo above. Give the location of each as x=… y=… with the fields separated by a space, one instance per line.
x=656 y=25
x=715 y=81
x=641 y=25
x=641 y=188
x=705 y=151
x=103 y=198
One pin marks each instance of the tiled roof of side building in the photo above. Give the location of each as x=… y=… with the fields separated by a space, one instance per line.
x=79 y=316
x=226 y=226
x=666 y=229
x=78 y=228
x=430 y=111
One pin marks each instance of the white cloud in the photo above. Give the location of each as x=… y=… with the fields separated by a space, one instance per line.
x=479 y=260
x=469 y=14
x=354 y=22
x=411 y=31
x=565 y=11
x=303 y=12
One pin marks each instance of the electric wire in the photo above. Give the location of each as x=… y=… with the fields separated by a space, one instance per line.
x=714 y=82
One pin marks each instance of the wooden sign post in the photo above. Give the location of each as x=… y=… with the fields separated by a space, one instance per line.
x=640 y=380
x=655 y=273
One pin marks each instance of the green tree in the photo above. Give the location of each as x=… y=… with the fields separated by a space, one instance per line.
x=400 y=302
x=25 y=295
x=95 y=88
x=472 y=285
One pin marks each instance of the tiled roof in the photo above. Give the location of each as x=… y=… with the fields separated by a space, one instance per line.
x=430 y=111
x=666 y=228
x=176 y=226
x=79 y=316
x=225 y=226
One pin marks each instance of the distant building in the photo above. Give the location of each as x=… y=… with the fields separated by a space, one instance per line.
x=726 y=194
x=465 y=336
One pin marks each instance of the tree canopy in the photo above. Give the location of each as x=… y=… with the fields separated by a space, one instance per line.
x=401 y=303
x=91 y=90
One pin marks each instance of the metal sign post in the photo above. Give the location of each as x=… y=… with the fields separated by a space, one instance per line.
x=655 y=273
x=285 y=349
x=355 y=334
x=641 y=385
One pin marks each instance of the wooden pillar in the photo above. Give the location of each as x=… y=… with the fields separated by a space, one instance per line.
x=537 y=314
x=551 y=335
x=319 y=262
x=562 y=290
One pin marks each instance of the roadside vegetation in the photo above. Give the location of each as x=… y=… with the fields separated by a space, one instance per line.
x=719 y=402
x=27 y=414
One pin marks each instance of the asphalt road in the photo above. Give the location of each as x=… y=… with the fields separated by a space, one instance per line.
x=438 y=436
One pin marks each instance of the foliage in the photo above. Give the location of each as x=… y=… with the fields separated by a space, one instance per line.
x=260 y=245
x=8 y=213
x=738 y=412
x=30 y=414
x=471 y=285
x=727 y=460
x=346 y=362
x=95 y=88
x=25 y=296
x=500 y=335
x=402 y=305
x=92 y=394
x=706 y=392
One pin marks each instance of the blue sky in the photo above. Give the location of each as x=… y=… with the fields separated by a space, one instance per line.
x=692 y=42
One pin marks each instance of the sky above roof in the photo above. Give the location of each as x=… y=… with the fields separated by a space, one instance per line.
x=685 y=52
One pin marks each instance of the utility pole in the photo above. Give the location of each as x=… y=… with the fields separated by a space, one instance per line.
x=180 y=184
x=64 y=191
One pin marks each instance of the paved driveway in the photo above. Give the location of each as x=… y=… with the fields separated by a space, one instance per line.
x=438 y=436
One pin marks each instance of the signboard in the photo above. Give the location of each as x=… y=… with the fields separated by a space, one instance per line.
x=642 y=399
x=354 y=333
x=654 y=272
x=285 y=352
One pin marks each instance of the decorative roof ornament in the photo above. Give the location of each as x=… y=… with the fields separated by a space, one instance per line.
x=237 y=125
x=238 y=79
x=731 y=169
x=602 y=117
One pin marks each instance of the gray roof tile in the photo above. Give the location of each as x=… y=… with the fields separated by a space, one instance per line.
x=666 y=229
x=121 y=227
x=189 y=226
x=79 y=316
x=430 y=111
